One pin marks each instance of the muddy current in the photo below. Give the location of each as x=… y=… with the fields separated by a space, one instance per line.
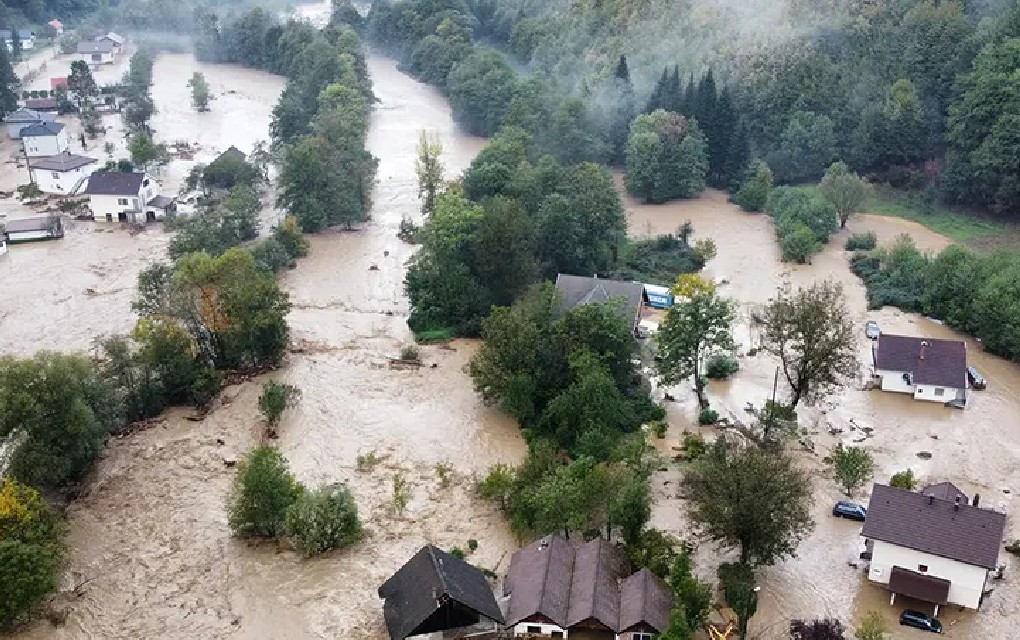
x=151 y=553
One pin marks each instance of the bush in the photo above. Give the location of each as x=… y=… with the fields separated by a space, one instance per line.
x=693 y=446
x=289 y=235
x=861 y=242
x=275 y=399
x=262 y=492
x=734 y=579
x=721 y=367
x=1014 y=548
x=659 y=428
x=472 y=545
x=410 y=352
x=755 y=190
x=324 y=519
x=798 y=243
x=904 y=480
x=708 y=416
x=457 y=552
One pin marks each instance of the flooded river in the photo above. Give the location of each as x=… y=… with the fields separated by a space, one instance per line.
x=151 y=539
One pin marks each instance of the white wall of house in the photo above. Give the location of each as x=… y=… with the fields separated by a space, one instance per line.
x=108 y=208
x=968 y=581
x=937 y=394
x=893 y=381
x=62 y=181
x=27 y=44
x=522 y=628
x=100 y=58
x=37 y=146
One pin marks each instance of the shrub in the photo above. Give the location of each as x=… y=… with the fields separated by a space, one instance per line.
x=472 y=545
x=721 y=367
x=798 y=243
x=262 y=492
x=498 y=484
x=275 y=399
x=708 y=416
x=851 y=467
x=734 y=579
x=904 y=480
x=755 y=190
x=324 y=519
x=367 y=461
x=457 y=552
x=693 y=446
x=401 y=494
x=1014 y=548
x=443 y=471
x=659 y=428
x=861 y=242
x=410 y=352
x=288 y=234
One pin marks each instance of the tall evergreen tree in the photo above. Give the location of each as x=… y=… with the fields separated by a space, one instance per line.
x=738 y=156
x=622 y=112
x=689 y=99
x=720 y=126
x=622 y=70
x=8 y=84
x=655 y=101
x=674 y=95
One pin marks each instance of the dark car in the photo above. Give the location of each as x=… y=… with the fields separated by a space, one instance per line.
x=919 y=620
x=851 y=510
x=872 y=330
x=976 y=381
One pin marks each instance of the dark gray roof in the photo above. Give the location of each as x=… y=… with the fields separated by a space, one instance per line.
x=645 y=601
x=431 y=580
x=945 y=491
x=231 y=152
x=538 y=581
x=29 y=224
x=23 y=34
x=63 y=162
x=580 y=290
x=25 y=115
x=160 y=202
x=40 y=129
x=594 y=589
x=96 y=46
x=931 y=525
x=41 y=103
x=114 y=183
x=930 y=361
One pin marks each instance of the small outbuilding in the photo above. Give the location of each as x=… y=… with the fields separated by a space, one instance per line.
x=435 y=591
x=32 y=229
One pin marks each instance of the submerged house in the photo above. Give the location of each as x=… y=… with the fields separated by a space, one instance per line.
x=556 y=590
x=62 y=173
x=45 y=139
x=926 y=368
x=32 y=229
x=121 y=196
x=934 y=546
x=99 y=51
x=577 y=291
x=435 y=591
x=25 y=36
x=24 y=117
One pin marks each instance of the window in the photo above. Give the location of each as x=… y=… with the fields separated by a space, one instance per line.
x=922 y=568
x=642 y=636
x=533 y=629
x=939 y=393
x=109 y=217
x=122 y=202
x=56 y=176
x=920 y=390
x=145 y=182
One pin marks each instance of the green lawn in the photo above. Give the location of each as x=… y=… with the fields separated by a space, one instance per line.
x=960 y=227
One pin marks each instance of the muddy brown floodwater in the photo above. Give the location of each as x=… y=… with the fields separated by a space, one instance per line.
x=150 y=541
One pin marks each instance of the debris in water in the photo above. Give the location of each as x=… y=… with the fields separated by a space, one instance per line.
x=374 y=267
x=924 y=455
x=229 y=463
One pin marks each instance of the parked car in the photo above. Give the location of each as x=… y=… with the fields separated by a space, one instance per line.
x=919 y=620
x=872 y=330
x=976 y=380
x=851 y=510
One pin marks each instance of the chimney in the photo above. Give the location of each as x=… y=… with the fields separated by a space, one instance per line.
x=956 y=504
x=977 y=498
x=924 y=343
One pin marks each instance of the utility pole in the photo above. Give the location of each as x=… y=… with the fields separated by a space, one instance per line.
x=28 y=163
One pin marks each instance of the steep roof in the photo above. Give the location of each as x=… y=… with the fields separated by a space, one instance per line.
x=580 y=290
x=945 y=491
x=24 y=115
x=644 y=600
x=112 y=37
x=231 y=152
x=538 y=581
x=430 y=580
x=931 y=525
x=41 y=103
x=63 y=162
x=594 y=589
x=114 y=183
x=96 y=46
x=41 y=129
x=929 y=360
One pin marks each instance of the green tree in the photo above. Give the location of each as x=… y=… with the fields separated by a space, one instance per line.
x=309 y=185
x=806 y=147
x=8 y=84
x=852 y=467
x=324 y=519
x=200 y=94
x=995 y=307
x=754 y=191
x=846 y=190
x=757 y=501
x=694 y=329
x=480 y=89
x=904 y=480
x=792 y=205
x=503 y=250
x=430 y=170
x=262 y=491
x=143 y=150
x=668 y=156
x=949 y=284
x=694 y=596
x=31 y=572
x=274 y=400
x=812 y=334
x=61 y=410
x=81 y=83
x=873 y=627
x=16 y=45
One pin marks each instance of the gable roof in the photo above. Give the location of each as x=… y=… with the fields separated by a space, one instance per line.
x=580 y=290
x=114 y=183
x=231 y=152
x=42 y=104
x=929 y=360
x=112 y=37
x=66 y=161
x=427 y=582
x=538 y=581
x=41 y=129
x=644 y=600
x=965 y=533
x=96 y=46
x=594 y=589
x=42 y=223
x=945 y=491
x=24 y=115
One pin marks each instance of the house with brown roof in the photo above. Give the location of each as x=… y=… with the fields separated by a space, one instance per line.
x=556 y=590
x=927 y=368
x=931 y=548
x=577 y=291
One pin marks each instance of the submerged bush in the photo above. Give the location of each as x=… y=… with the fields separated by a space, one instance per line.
x=263 y=490
x=861 y=242
x=324 y=519
x=708 y=416
x=721 y=367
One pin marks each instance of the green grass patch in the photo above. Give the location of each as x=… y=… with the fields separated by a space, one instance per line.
x=961 y=227
x=431 y=336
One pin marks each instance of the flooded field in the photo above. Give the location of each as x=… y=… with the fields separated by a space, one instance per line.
x=150 y=539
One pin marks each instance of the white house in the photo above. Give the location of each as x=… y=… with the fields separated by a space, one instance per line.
x=117 y=41
x=63 y=173
x=23 y=117
x=26 y=37
x=927 y=368
x=118 y=196
x=44 y=139
x=98 y=51
x=930 y=548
